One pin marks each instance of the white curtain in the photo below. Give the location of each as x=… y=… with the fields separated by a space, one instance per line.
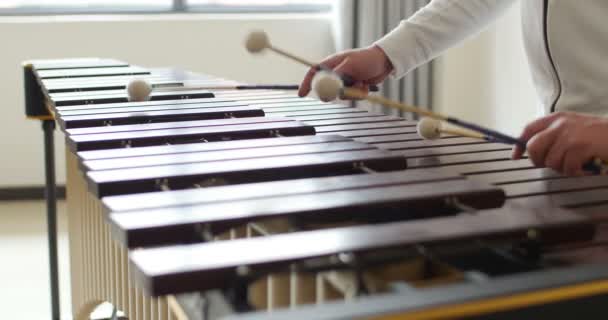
x=358 y=23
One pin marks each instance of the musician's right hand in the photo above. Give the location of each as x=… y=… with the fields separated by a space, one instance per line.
x=564 y=141
x=366 y=66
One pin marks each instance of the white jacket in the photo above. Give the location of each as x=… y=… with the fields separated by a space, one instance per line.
x=566 y=42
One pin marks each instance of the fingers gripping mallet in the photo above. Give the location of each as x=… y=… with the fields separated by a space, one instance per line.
x=258 y=41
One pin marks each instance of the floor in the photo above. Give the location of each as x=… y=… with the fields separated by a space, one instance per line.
x=24 y=275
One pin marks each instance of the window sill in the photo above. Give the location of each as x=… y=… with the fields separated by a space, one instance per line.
x=187 y=16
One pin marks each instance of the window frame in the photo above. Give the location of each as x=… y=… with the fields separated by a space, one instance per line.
x=177 y=6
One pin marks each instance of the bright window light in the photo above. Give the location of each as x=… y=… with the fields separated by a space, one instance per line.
x=143 y=6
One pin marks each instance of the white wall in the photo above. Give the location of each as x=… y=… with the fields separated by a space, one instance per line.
x=515 y=102
x=487 y=79
x=207 y=44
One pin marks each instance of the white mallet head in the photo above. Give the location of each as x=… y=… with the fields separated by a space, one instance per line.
x=257 y=41
x=429 y=129
x=139 y=90
x=328 y=87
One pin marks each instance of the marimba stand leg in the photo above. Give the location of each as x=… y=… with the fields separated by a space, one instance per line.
x=50 y=194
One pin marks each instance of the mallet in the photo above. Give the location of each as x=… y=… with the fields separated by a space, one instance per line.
x=258 y=41
x=328 y=89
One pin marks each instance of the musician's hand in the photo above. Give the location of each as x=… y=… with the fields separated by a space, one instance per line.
x=366 y=66
x=565 y=141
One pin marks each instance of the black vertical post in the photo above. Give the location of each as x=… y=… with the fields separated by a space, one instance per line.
x=50 y=194
x=35 y=108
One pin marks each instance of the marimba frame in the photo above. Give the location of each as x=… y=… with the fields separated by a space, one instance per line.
x=101 y=265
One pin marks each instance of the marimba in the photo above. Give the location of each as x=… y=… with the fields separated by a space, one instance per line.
x=204 y=205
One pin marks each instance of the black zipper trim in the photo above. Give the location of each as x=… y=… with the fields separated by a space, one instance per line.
x=546 y=33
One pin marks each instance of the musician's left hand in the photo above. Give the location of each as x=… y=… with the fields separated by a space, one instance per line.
x=565 y=141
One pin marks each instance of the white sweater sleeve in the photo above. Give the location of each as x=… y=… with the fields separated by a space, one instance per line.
x=437 y=27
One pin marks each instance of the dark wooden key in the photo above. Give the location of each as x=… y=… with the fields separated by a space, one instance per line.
x=148 y=179
x=81 y=85
x=175 y=125
x=334 y=111
x=69 y=122
x=451 y=150
x=598 y=212
x=167 y=72
x=122 y=97
x=447 y=160
x=304 y=108
x=369 y=135
x=566 y=199
x=251 y=94
x=526 y=175
x=473 y=169
x=381 y=203
x=207 y=103
x=122 y=78
x=368 y=126
x=344 y=114
x=108 y=87
x=223 y=155
x=119 y=87
x=81 y=63
x=84 y=142
x=202 y=147
x=550 y=186
x=255 y=92
x=167 y=88
x=172 y=73
x=358 y=120
x=178 y=105
x=280 y=104
x=494 y=166
x=74 y=84
x=118 y=92
x=53 y=89
x=201 y=267
x=317 y=113
x=406 y=145
x=88 y=72
x=272 y=189
x=159 y=104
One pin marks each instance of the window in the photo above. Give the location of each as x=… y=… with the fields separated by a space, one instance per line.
x=76 y=6
x=21 y=7
x=259 y=5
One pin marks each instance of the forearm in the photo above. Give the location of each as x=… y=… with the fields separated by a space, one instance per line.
x=437 y=27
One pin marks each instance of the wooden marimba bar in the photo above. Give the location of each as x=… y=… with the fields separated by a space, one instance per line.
x=265 y=201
